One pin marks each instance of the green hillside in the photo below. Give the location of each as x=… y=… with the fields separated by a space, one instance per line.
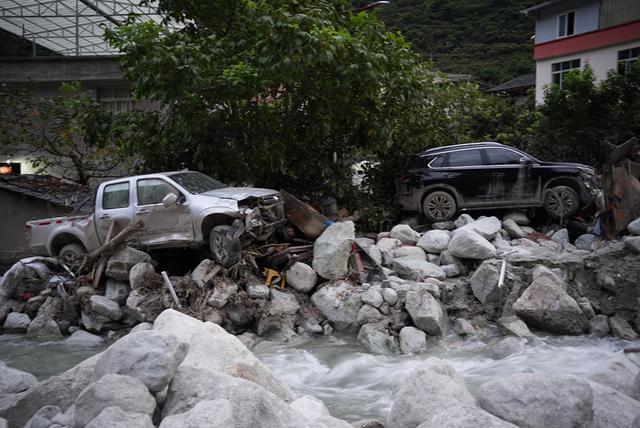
x=489 y=39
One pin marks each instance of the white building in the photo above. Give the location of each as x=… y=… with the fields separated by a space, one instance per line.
x=572 y=33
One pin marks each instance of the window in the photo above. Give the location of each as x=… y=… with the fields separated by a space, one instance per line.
x=115 y=196
x=626 y=59
x=196 y=182
x=465 y=158
x=153 y=190
x=560 y=69
x=439 y=161
x=115 y=99
x=503 y=157
x=566 y=24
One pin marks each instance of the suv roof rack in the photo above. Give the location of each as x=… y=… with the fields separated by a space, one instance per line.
x=435 y=150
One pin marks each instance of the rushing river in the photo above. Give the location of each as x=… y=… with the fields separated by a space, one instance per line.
x=353 y=384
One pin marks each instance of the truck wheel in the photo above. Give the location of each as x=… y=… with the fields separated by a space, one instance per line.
x=72 y=254
x=561 y=202
x=439 y=206
x=225 y=249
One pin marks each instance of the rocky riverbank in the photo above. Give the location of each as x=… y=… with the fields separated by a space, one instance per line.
x=413 y=286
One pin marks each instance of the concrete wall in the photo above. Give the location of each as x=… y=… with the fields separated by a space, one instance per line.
x=587 y=18
x=601 y=61
x=15 y=210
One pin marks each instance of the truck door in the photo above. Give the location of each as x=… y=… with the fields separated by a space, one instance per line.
x=113 y=203
x=164 y=226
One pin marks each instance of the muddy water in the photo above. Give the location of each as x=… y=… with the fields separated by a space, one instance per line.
x=354 y=384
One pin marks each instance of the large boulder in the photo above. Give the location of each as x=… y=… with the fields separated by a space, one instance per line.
x=372 y=297
x=83 y=338
x=512 y=325
x=633 y=244
x=412 y=340
x=387 y=247
x=115 y=417
x=44 y=417
x=487 y=227
x=426 y=312
x=634 y=227
x=301 y=277
x=120 y=263
x=613 y=409
x=405 y=234
x=532 y=400
x=467 y=244
x=26 y=276
x=375 y=338
x=417 y=270
x=13 y=381
x=618 y=373
x=427 y=391
x=545 y=305
x=200 y=274
x=279 y=314
x=339 y=302
x=332 y=249
x=212 y=348
x=222 y=292
x=513 y=229
x=16 y=322
x=621 y=328
x=434 y=241
x=316 y=413
x=125 y=392
x=484 y=283
x=106 y=307
x=464 y=416
x=207 y=413
x=44 y=328
x=139 y=273
x=150 y=356
x=409 y=251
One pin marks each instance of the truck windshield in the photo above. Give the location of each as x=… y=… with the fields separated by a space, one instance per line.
x=196 y=182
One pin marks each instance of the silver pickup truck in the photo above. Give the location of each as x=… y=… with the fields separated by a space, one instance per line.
x=179 y=209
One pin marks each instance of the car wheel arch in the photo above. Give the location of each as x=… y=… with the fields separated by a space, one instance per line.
x=572 y=182
x=212 y=220
x=442 y=188
x=60 y=240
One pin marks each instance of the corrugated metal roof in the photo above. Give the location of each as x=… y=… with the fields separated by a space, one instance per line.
x=69 y=27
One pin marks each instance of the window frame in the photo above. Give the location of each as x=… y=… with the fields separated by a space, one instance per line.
x=112 y=101
x=562 y=71
x=447 y=160
x=627 y=62
x=565 y=27
x=104 y=192
x=139 y=204
x=516 y=164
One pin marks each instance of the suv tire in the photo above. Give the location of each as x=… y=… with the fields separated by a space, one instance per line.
x=225 y=249
x=72 y=254
x=439 y=206
x=561 y=202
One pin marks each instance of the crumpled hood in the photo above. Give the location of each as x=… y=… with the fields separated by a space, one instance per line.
x=568 y=165
x=239 y=193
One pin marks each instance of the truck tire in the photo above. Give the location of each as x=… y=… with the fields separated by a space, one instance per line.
x=72 y=254
x=439 y=206
x=225 y=249
x=561 y=202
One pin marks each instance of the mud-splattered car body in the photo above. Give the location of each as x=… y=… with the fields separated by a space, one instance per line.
x=444 y=180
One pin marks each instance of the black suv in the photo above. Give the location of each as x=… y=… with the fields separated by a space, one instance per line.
x=445 y=180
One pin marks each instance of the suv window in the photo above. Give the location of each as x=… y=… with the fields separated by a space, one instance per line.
x=503 y=157
x=465 y=158
x=153 y=190
x=115 y=196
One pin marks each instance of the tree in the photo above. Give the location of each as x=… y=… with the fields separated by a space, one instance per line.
x=272 y=91
x=69 y=133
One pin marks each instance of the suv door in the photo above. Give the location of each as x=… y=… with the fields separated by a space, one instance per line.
x=164 y=226
x=464 y=170
x=511 y=180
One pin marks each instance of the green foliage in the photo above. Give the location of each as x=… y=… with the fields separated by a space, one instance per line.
x=68 y=133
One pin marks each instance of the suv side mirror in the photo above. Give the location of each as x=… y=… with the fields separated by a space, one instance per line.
x=169 y=200
x=525 y=161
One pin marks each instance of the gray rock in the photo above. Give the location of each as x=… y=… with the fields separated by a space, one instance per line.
x=505 y=347
x=316 y=413
x=500 y=243
x=143 y=326
x=405 y=234
x=621 y=328
x=463 y=220
x=612 y=409
x=512 y=228
x=92 y=321
x=599 y=325
x=212 y=348
x=554 y=275
x=151 y=357
x=115 y=417
x=387 y=247
x=332 y=249
x=368 y=314
x=436 y=260
x=373 y=298
x=390 y=296
x=633 y=244
x=535 y=400
x=466 y=244
x=443 y=225
x=199 y=274
x=339 y=302
x=28 y=274
x=222 y=292
x=207 y=413
x=83 y=338
x=375 y=338
x=606 y=281
x=412 y=340
x=16 y=323
x=117 y=291
x=585 y=306
x=122 y=261
x=452 y=271
x=13 y=381
x=514 y=326
x=409 y=252
x=518 y=217
x=426 y=312
x=463 y=327
x=484 y=283
x=43 y=328
x=464 y=416
x=105 y=307
x=434 y=241
x=301 y=277
x=137 y=274
x=417 y=270
x=427 y=391
x=586 y=242
x=487 y=227
x=125 y=392
x=545 y=305
x=279 y=314
x=619 y=373
x=43 y=417
x=257 y=291
x=5 y=424
x=634 y=227
x=560 y=236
